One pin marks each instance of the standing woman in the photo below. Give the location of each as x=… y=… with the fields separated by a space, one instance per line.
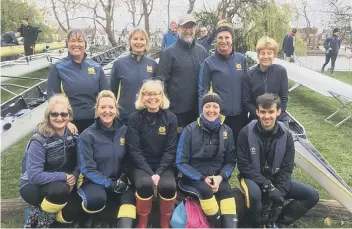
x=129 y=72
x=101 y=152
x=206 y=158
x=80 y=79
x=266 y=77
x=152 y=140
x=223 y=73
x=49 y=168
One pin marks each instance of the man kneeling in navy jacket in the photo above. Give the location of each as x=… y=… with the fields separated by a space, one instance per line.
x=265 y=158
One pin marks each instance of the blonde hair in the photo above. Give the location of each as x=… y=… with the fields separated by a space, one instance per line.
x=267 y=43
x=45 y=128
x=155 y=86
x=145 y=34
x=105 y=94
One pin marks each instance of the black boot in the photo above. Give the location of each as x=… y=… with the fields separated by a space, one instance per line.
x=125 y=222
x=229 y=221
x=215 y=220
x=291 y=212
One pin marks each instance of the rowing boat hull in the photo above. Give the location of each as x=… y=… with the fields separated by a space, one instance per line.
x=312 y=162
x=22 y=127
x=18 y=49
x=22 y=67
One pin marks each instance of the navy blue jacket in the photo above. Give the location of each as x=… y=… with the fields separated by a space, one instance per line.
x=127 y=76
x=101 y=151
x=250 y=155
x=81 y=83
x=179 y=66
x=288 y=44
x=257 y=83
x=192 y=159
x=152 y=140
x=169 y=38
x=225 y=76
x=333 y=42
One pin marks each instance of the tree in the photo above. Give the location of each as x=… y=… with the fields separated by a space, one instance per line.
x=67 y=8
x=103 y=14
x=131 y=4
x=13 y=11
x=191 y=6
x=146 y=13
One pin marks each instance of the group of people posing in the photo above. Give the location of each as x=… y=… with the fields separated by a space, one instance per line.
x=180 y=125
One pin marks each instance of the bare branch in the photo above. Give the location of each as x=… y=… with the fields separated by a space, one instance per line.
x=191 y=6
x=57 y=17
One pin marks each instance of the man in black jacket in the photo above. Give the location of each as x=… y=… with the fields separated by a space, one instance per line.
x=179 y=65
x=30 y=36
x=332 y=46
x=265 y=158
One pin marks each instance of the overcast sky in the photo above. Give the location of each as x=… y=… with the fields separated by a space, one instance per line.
x=158 y=18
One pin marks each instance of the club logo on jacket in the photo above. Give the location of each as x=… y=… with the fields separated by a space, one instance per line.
x=179 y=129
x=238 y=67
x=225 y=134
x=149 y=69
x=91 y=71
x=253 y=150
x=162 y=130
x=122 y=141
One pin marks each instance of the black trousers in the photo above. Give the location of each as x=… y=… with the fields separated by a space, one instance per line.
x=333 y=57
x=186 y=118
x=304 y=195
x=28 y=49
x=145 y=185
x=56 y=192
x=203 y=191
x=236 y=123
x=95 y=197
x=83 y=124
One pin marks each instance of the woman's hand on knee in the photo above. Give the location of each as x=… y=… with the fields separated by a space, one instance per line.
x=156 y=179
x=70 y=179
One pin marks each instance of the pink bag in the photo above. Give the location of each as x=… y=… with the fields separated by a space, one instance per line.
x=195 y=215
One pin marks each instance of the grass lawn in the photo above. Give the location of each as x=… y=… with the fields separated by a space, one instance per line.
x=308 y=107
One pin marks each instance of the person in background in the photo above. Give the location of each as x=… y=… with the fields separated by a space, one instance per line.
x=10 y=38
x=79 y=78
x=49 y=168
x=129 y=72
x=206 y=158
x=266 y=77
x=171 y=36
x=102 y=149
x=223 y=73
x=288 y=46
x=265 y=158
x=206 y=39
x=179 y=66
x=152 y=141
x=332 y=46
x=30 y=36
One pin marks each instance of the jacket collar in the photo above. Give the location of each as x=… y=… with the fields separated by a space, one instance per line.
x=225 y=57
x=134 y=56
x=116 y=125
x=276 y=132
x=185 y=44
x=71 y=58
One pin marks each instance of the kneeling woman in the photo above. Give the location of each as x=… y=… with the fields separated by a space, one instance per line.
x=49 y=169
x=206 y=157
x=152 y=141
x=101 y=151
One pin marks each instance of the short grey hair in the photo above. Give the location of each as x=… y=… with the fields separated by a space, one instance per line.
x=75 y=32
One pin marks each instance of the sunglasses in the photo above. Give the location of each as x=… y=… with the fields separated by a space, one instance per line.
x=57 y=114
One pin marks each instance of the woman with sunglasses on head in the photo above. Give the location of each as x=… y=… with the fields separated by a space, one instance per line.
x=152 y=140
x=49 y=168
x=101 y=152
x=79 y=78
x=129 y=72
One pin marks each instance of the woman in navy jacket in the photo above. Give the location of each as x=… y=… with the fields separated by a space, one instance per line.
x=152 y=140
x=129 y=72
x=101 y=152
x=206 y=158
